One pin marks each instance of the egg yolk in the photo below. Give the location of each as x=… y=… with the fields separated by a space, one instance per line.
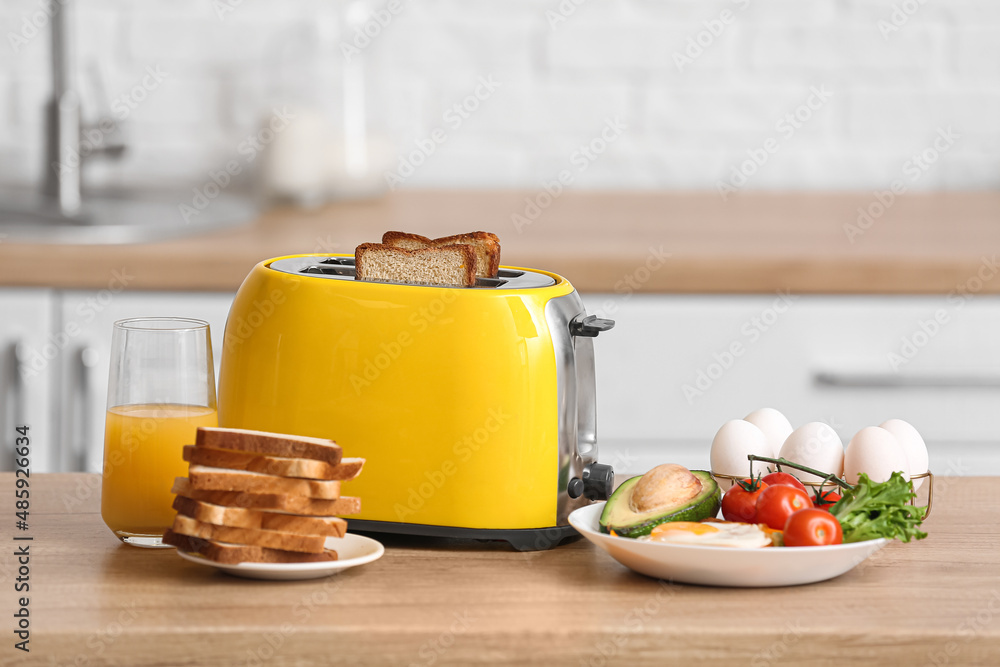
x=684 y=526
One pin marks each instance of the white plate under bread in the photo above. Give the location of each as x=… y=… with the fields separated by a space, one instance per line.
x=352 y=550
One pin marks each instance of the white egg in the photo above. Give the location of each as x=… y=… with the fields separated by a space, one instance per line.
x=913 y=447
x=815 y=445
x=875 y=451
x=775 y=426
x=734 y=441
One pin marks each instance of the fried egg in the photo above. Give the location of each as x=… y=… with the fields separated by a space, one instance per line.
x=715 y=534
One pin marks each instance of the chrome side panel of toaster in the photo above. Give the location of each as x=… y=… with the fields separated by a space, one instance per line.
x=577 y=399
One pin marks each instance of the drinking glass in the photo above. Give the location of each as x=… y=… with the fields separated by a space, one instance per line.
x=161 y=388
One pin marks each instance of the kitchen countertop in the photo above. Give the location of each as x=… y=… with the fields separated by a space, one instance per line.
x=96 y=601
x=601 y=241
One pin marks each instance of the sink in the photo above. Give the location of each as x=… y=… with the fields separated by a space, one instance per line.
x=111 y=217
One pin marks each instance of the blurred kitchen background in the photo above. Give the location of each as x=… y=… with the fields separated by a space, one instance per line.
x=702 y=116
x=563 y=69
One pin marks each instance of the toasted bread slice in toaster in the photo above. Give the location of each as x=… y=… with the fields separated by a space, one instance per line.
x=485 y=244
x=241 y=553
x=241 y=517
x=275 y=444
x=406 y=241
x=280 y=502
x=348 y=468
x=204 y=478
x=452 y=265
x=272 y=539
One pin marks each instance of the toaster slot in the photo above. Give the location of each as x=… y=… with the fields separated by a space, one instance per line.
x=490 y=282
x=342 y=268
x=330 y=270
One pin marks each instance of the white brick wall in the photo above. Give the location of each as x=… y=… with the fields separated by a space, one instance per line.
x=686 y=129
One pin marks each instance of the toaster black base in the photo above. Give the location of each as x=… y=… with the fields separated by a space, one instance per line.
x=527 y=539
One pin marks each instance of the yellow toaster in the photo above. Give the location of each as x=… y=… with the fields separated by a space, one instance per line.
x=475 y=408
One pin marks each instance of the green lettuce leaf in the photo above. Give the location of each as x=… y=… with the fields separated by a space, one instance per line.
x=872 y=510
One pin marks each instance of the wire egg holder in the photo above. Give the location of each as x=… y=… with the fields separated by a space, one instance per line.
x=924 y=494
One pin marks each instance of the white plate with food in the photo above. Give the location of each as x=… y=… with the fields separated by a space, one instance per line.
x=724 y=566
x=352 y=550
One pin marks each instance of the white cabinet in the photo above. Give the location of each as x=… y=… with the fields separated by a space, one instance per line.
x=28 y=374
x=675 y=368
x=82 y=395
x=669 y=374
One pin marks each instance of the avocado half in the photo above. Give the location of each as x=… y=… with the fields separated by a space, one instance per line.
x=682 y=500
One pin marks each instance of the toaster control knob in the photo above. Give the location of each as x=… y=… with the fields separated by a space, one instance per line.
x=575 y=488
x=589 y=326
x=598 y=481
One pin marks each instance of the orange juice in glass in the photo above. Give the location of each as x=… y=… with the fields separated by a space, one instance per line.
x=161 y=389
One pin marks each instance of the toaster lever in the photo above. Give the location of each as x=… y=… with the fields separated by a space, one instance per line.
x=589 y=326
x=598 y=481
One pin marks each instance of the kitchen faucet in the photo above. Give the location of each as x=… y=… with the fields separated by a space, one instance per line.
x=64 y=154
x=62 y=211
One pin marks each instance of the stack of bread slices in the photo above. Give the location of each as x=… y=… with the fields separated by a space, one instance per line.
x=252 y=496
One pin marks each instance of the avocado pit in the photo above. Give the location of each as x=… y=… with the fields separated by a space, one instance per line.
x=665 y=485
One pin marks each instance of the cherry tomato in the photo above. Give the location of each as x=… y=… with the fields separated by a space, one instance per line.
x=740 y=501
x=776 y=503
x=783 y=478
x=824 y=500
x=812 y=527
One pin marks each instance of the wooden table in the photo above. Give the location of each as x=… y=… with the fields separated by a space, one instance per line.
x=924 y=243
x=94 y=601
